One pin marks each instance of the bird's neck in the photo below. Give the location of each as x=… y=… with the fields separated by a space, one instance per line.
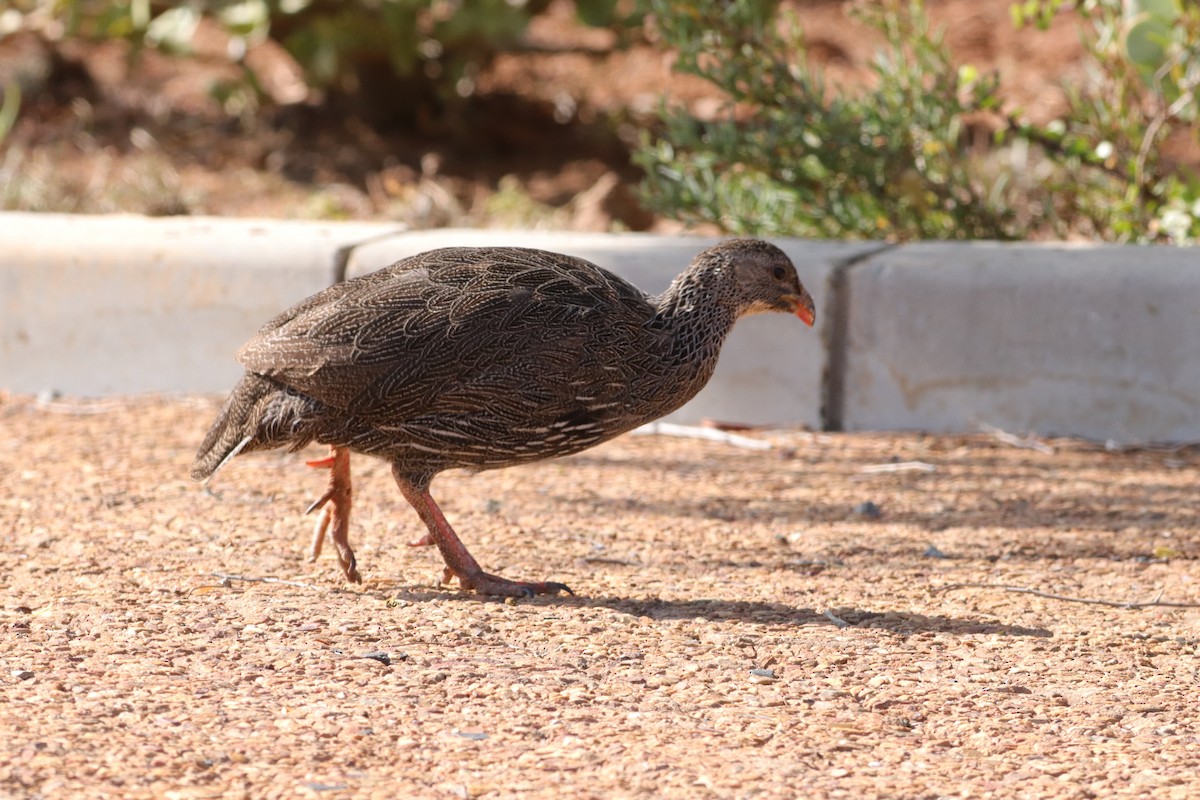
x=698 y=311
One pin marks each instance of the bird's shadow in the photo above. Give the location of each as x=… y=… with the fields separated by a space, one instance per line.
x=901 y=623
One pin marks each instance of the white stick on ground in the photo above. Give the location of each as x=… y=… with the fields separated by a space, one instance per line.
x=903 y=466
x=708 y=434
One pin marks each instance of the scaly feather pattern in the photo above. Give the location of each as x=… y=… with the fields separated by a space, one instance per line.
x=487 y=357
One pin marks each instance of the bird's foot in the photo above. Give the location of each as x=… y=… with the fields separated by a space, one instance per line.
x=485 y=583
x=345 y=554
x=459 y=563
x=335 y=512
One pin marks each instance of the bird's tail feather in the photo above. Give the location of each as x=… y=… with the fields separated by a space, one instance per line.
x=237 y=448
x=239 y=425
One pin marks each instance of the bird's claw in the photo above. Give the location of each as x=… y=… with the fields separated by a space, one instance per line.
x=345 y=554
x=484 y=583
x=319 y=502
x=322 y=463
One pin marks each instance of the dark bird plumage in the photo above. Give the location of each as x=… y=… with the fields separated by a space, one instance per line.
x=483 y=358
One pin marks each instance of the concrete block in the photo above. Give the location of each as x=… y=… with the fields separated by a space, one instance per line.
x=771 y=367
x=1101 y=342
x=123 y=304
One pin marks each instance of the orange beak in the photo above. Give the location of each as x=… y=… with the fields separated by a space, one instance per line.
x=802 y=306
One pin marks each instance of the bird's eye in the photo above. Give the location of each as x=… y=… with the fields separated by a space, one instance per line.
x=778 y=273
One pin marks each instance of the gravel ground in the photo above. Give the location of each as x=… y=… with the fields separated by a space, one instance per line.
x=818 y=619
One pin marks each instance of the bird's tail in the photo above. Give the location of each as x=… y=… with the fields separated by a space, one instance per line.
x=247 y=421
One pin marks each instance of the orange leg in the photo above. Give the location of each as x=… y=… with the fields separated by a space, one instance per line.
x=335 y=511
x=459 y=562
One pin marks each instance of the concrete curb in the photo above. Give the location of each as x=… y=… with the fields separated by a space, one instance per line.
x=122 y=304
x=1093 y=341
x=1101 y=342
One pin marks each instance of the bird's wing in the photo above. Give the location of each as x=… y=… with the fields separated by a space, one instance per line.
x=450 y=329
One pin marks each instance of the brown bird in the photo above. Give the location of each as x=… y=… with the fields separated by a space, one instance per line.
x=482 y=358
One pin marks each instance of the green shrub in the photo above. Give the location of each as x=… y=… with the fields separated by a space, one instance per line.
x=788 y=157
x=1146 y=59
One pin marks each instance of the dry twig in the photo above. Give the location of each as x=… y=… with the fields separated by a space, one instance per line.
x=836 y=620
x=1157 y=601
x=902 y=466
x=1012 y=440
x=226 y=579
x=1113 y=446
x=708 y=434
x=79 y=408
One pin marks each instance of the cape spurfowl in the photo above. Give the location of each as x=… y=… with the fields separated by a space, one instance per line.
x=482 y=358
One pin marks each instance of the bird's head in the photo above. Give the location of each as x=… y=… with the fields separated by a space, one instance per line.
x=764 y=279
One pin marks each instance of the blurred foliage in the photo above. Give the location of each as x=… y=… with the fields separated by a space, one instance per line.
x=396 y=58
x=930 y=151
x=788 y=156
x=1146 y=58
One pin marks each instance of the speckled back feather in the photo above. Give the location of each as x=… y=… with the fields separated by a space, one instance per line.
x=486 y=357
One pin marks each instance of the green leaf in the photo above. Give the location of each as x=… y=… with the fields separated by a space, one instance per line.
x=1145 y=43
x=173 y=29
x=9 y=108
x=1167 y=10
x=248 y=18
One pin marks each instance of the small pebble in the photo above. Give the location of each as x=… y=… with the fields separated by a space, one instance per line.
x=762 y=676
x=474 y=736
x=869 y=510
x=22 y=674
x=933 y=552
x=378 y=655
